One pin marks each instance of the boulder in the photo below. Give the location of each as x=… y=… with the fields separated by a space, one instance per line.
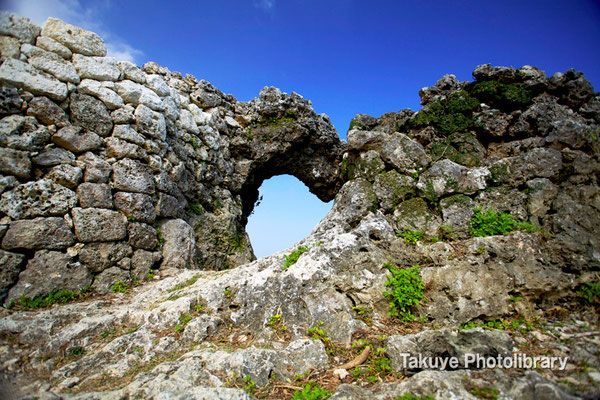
x=47 y=112
x=38 y=233
x=150 y=123
x=18 y=73
x=133 y=176
x=96 y=169
x=15 y=162
x=18 y=27
x=99 y=225
x=49 y=44
x=37 y=198
x=76 y=39
x=142 y=236
x=66 y=175
x=76 y=139
x=9 y=273
x=104 y=91
x=91 y=114
x=178 y=249
x=47 y=271
x=94 y=195
x=136 y=94
x=100 y=256
x=136 y=206
x=51 y=63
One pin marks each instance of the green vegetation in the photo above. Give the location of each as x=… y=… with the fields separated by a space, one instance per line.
x=491 y=223
x=54 y=297
x=275 y=122
x=312 y=391
x=161 y=240
x=295 y=255
x=408 y=396
x=123 y=287
x=410 y=236
x=504 y=96
x=197 y=209
x=487 y=392
x=184 y=319
x=354 y=124
x=77 y=351
x=590 y=292
x=195 y=143
x=277 y=323
x=460 y=147
x=316 y=333
x=150 y=275
x=406 y=291
x=185 y=284
x=250 y=386
x=450 y=115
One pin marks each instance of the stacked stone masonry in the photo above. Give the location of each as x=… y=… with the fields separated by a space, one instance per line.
x=142 y=167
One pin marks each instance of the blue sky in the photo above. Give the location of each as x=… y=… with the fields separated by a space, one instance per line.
x=346 y=56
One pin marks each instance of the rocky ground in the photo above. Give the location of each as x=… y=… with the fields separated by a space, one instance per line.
x=469 y=227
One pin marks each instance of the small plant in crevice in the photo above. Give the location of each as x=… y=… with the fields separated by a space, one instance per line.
x=410 y=236
x=184 y=319
x=312 y=391
x=410 y=396
x=316 y=333
x=406 y=291
x=492 y=223
x=277 y=324
x=54 y=297
x=197 y=208
x=291 y=258
x=123 y=287
x=590 y=292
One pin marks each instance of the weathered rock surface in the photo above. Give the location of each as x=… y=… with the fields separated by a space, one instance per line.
x=183 y=162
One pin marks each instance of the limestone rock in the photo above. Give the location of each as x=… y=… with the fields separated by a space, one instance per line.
x=38 y=233
x=135 y=206
x=52 y=156
x=110 y=276
x=96 y=169
x=91 y=114
x=77 y=140
x=19 y=27
x=76 y=39
x=51 y=63
x=141 y=263
x=102 y=91
x=66 y=175
x=47 y=112
x=37 y=198
x=99 y=225
x=18 y=73
x=9 y=274
x=10 y=101
x=127 y=133
x=136 y=94
x=132 y=72
x=158 y=85
x=9 y=47
x=142 y=236
x=94 y=195
x=434 y=344
x=100 y=256
x=404 y=154
x=23 y=133
x=48 y=270
x=150 y=123
x=133 y=176
x=178 y=249
x=118 y=149
x=447 y=177
x=49 y=44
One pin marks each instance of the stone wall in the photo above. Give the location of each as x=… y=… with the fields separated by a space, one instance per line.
x=109 y=170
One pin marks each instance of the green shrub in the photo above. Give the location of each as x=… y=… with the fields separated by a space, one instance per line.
x=450 y=115
x=590 y=292
x=184 y=319
x=501 y=95
x=406 y=291
x=410 y=236
x=312 y=392
x=491 y=223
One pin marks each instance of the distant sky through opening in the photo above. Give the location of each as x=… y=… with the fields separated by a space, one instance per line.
x=287 y=213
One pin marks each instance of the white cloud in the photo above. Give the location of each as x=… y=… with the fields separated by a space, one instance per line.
x=266 y=5
x=74 y=13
